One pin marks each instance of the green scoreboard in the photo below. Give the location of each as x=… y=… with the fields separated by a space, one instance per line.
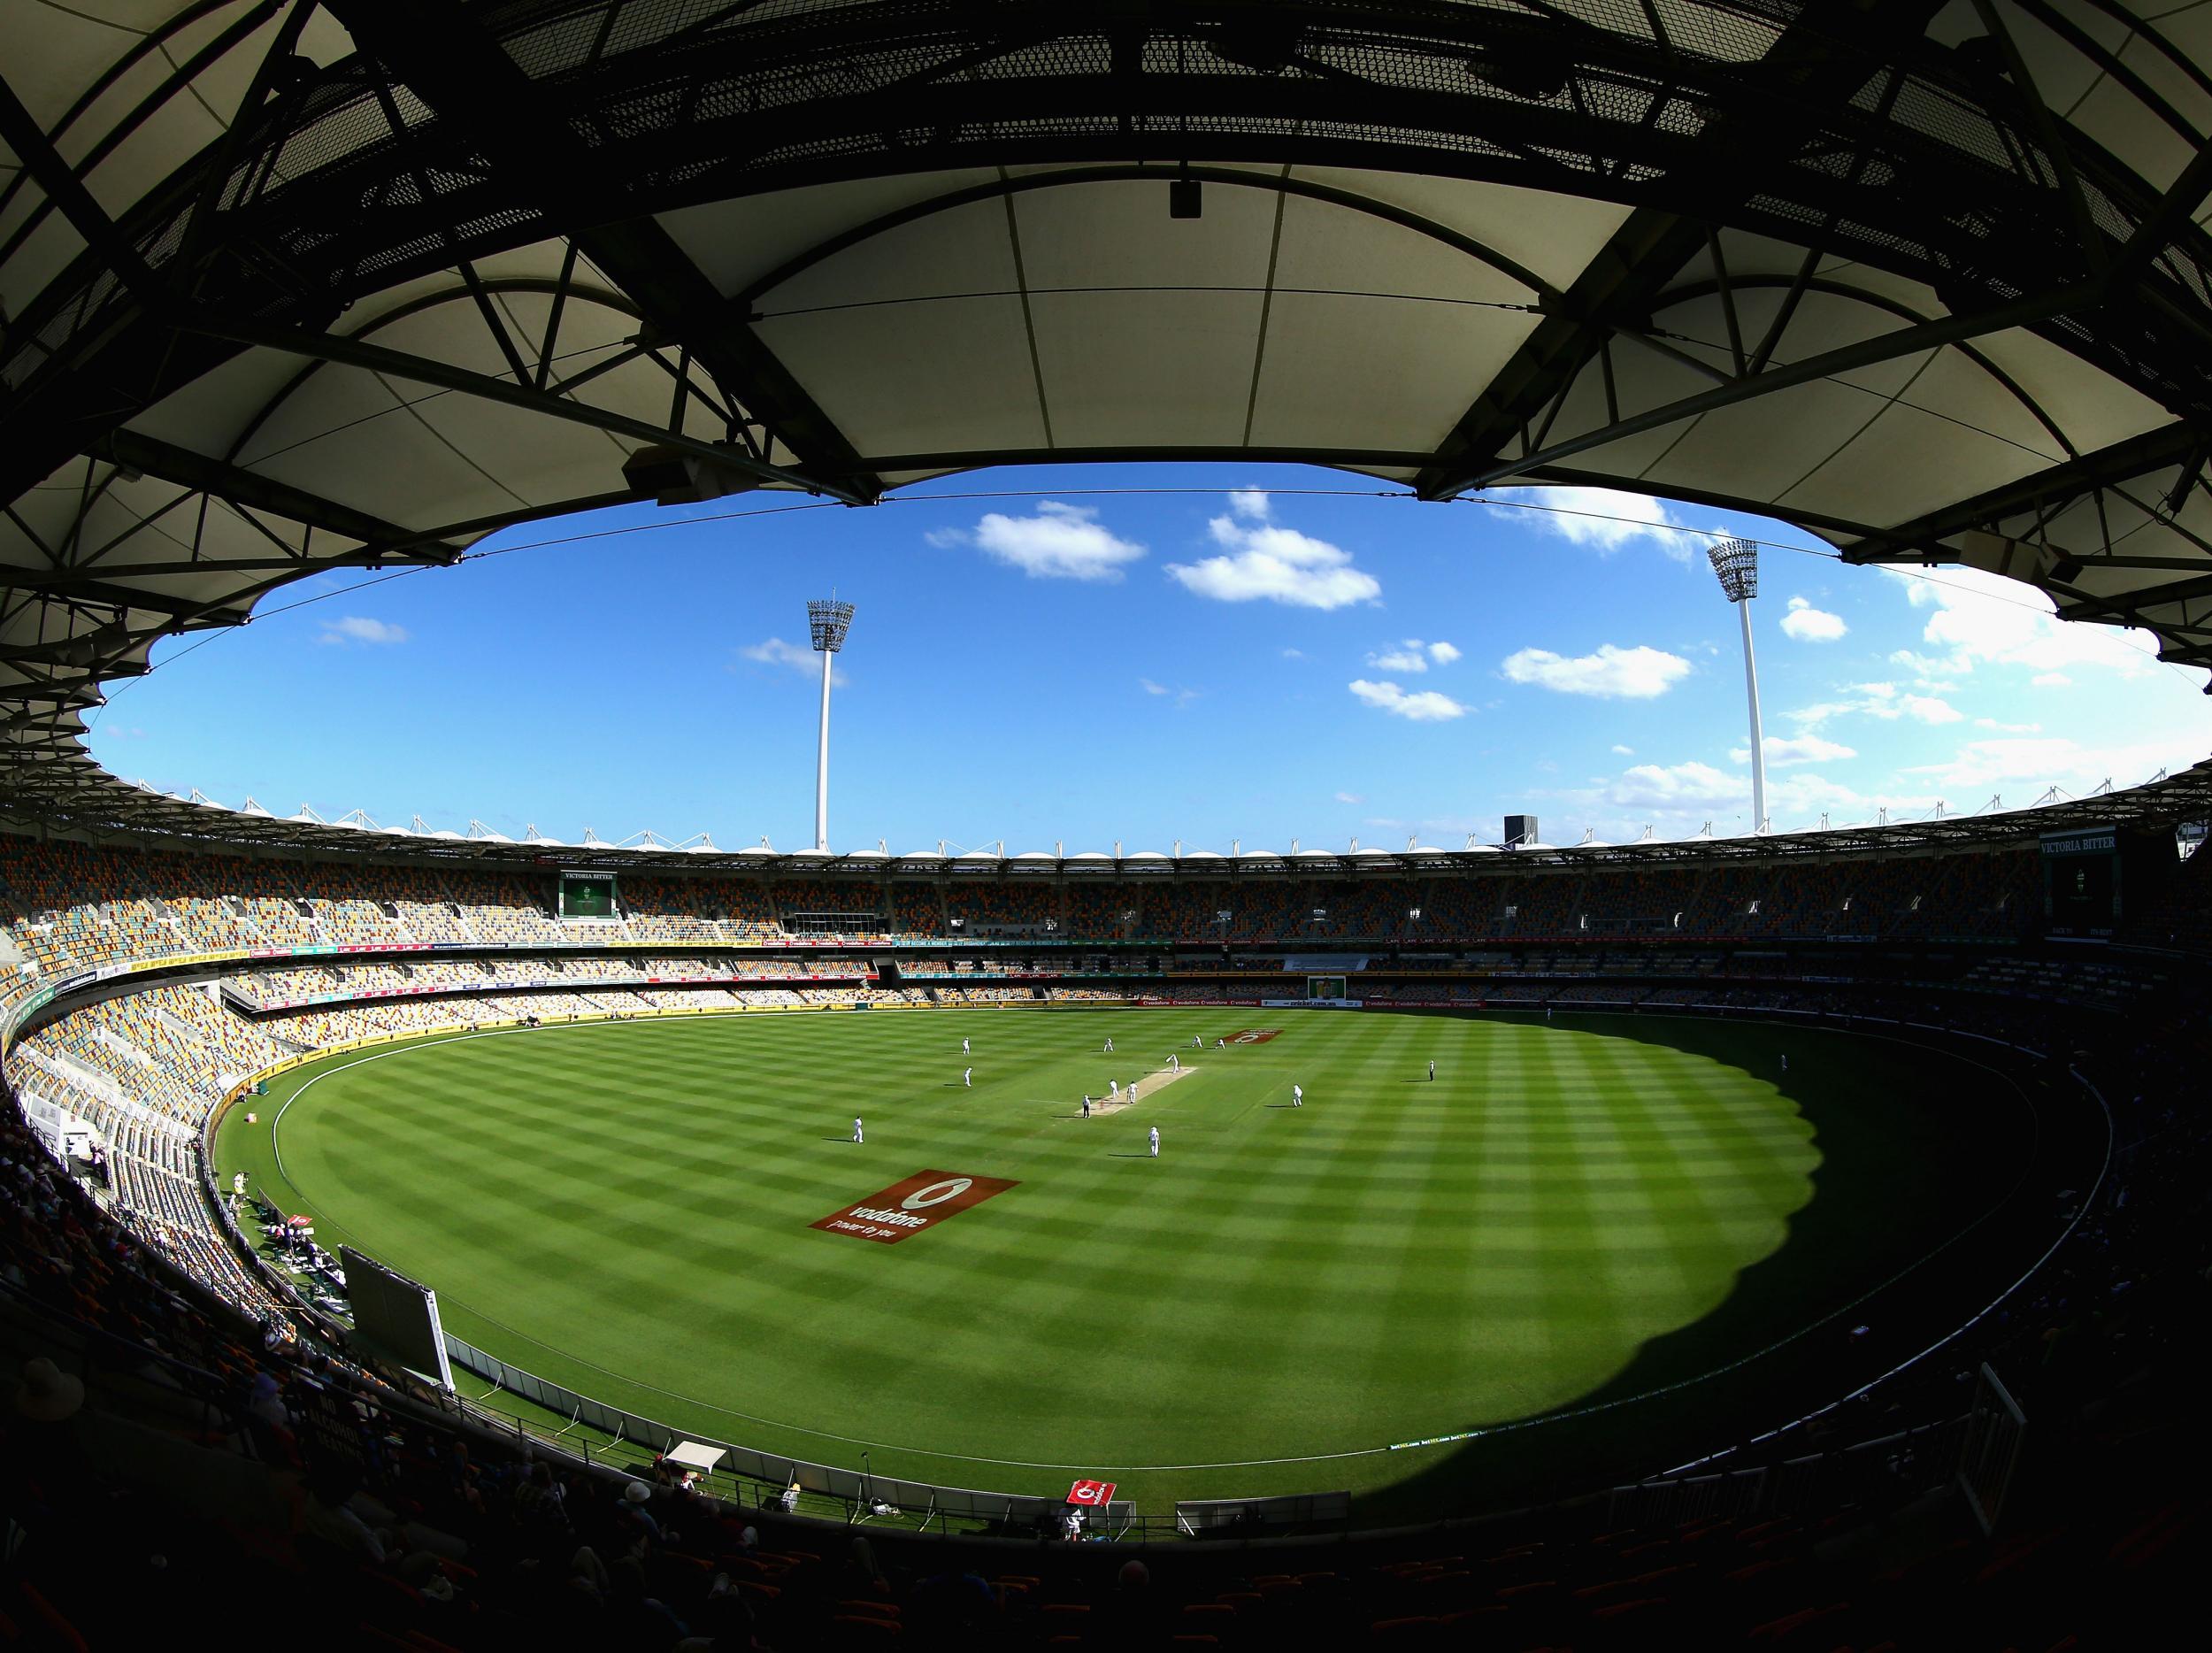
x=588 y=896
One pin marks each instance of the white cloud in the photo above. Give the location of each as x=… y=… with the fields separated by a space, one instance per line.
x=1151 y=688
x=1651 y=785
x=1879 y=700
x=1682 y=797
x=360 y=629
x=1425 y=706
x=1294 y=654
x=1612 y=672
x=1600 y=517
x=1979 y=617
x=797 y=656
x=1928 y=709
x=1678 y=799
x=1784 y=750
x=1929 y=665
x=1251 y=504
x=2007 y=728
x=1349 y=797
x=1277 y=564
x=1061 y=542
x=1413 y=655
x=1624 y=751
x=2050 y=680
x=2021 y=766
x=1808 y=624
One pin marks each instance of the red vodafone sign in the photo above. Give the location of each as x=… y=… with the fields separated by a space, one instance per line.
x=906 y=1208
x=1095 y=1494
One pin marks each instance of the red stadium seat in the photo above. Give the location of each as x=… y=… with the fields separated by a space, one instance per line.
x=1777 y=1630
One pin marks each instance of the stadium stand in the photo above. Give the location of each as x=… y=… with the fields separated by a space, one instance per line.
x=421 y=1528
x=1442 y=249
x=134 y=1257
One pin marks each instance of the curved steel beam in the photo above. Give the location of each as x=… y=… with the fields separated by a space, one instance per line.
x=1887 y=347
x=603 y=297
x=1888 y=306
x=1466 y=245
x=421 y=370
x=180 y=76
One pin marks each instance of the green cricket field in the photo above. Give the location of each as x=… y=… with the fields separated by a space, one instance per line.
x=994 y=1291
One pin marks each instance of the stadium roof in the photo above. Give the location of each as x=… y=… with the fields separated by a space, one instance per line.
x=160 y=819
x=295 y=285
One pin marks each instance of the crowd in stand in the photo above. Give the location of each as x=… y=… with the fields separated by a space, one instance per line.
x=395 y=1528
x=68 y=907
x=1021 y=909
x=1102 y=910
x=427 y=1535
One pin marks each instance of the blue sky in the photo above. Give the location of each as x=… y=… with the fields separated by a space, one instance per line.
x=1144 y=656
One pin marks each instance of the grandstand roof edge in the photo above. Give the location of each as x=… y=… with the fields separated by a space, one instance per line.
x=157 y=821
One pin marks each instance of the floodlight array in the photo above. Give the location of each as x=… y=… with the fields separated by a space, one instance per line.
x=827 y=621
x=1737 y=563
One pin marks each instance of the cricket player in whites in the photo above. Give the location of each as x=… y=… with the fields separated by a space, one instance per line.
x=967 y=1077
x=964 y=1048
x=1110 y=1046
x=1432 y=1073
x=1297 y=1096
x=1155 y=1140
x=857 y=1136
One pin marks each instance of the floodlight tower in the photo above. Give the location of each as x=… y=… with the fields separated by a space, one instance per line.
x=827 y=620
x=1737 y=563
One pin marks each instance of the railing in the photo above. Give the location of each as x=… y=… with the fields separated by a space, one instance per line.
x=1891 y=1467
x=860 y=1493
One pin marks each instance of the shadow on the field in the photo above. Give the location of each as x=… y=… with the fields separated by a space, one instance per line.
x=1133 y=1155
x=1906 y=1153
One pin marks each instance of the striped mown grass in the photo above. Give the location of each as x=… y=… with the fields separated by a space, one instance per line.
x=626 y=1208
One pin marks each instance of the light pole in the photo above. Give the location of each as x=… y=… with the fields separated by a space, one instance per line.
x=1737 y=563
x=827 y=620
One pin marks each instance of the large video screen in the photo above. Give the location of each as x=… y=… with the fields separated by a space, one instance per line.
x=588 y=896
x=2081 y=882
x=395 y=1317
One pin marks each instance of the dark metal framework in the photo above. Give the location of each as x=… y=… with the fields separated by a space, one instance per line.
x=155 y=820
x=1847 y=131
